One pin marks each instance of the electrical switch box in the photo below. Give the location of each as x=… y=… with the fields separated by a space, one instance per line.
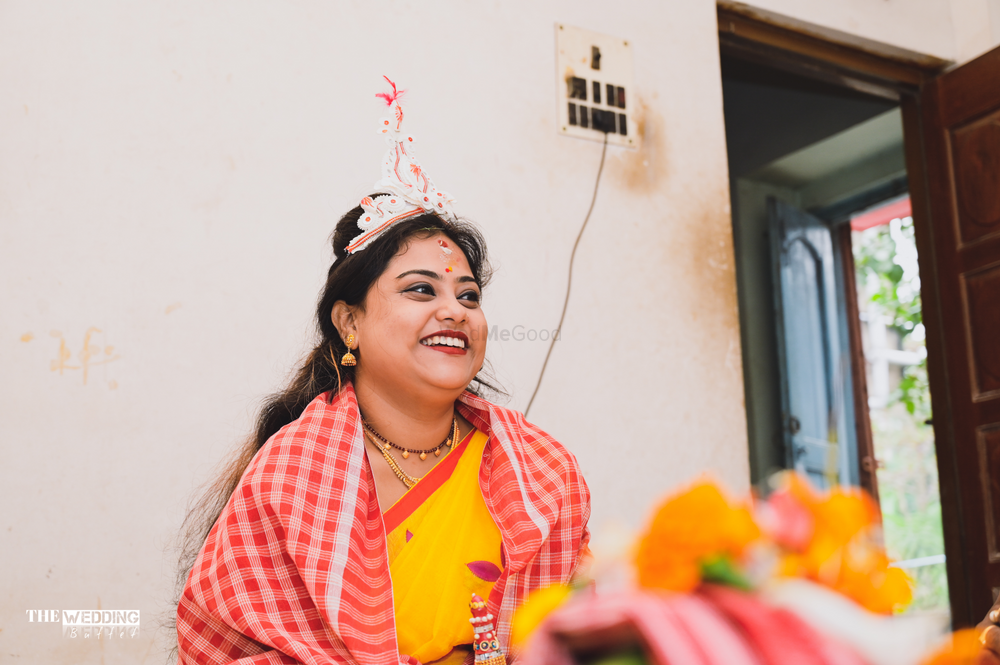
x=594 y=93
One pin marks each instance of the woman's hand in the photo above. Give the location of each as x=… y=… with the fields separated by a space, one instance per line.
x=989 y=630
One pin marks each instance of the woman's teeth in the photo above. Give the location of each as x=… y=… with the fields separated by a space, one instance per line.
x=444 y=341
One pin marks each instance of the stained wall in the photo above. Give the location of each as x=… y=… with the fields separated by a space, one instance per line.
x=169 y=176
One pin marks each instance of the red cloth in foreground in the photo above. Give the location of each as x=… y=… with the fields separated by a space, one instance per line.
x=295 y=570
x=713 y=626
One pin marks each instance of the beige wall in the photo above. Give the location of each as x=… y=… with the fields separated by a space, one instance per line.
x=956 y=30
x=169 y=173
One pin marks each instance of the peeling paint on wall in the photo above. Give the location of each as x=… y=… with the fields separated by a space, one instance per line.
x=90 y=354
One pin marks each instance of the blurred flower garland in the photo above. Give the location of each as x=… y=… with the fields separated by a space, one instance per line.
x=699 y=535
x=833 y=538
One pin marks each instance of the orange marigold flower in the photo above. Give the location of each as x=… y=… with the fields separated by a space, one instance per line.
x=844 y=551
x=876 y=587
x=687 y=529
x=844 y=514
x=964 y=648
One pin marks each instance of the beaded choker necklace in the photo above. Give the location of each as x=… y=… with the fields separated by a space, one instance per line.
x=406 y=451
x=383 y=445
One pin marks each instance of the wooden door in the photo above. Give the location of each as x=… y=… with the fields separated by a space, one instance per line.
x=954 y=152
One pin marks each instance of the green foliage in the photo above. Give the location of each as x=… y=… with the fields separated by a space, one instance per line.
x=888 y=284
x=914 y=391
x=722 y=570
x=885 y=259
x=911 y=505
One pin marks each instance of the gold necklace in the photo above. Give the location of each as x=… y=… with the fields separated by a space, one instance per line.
x=403 y=476
x=406 y=478
x=449 y=441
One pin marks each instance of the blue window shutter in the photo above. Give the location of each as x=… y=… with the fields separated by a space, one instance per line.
x=810 y=350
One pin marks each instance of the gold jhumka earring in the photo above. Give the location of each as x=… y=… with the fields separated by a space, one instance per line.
x=348 y=360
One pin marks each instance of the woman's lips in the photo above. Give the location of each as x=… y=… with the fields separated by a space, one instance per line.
x=451 y=350
x=451 y=342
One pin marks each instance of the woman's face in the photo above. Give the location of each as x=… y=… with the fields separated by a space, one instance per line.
x=422 y=328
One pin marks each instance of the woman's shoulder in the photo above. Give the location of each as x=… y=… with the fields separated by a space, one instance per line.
x=317 y=440
x=529 y=441
x=327 y=418
x=529 y=462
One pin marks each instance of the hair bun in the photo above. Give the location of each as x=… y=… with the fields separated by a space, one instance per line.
x=346 y=229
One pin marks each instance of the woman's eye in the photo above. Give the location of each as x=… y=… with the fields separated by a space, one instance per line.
x=470 y=297
x=421 y=289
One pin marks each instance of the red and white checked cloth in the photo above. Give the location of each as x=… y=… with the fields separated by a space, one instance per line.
x=296 y=571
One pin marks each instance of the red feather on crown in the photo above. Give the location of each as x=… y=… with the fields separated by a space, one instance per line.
x=390 y=98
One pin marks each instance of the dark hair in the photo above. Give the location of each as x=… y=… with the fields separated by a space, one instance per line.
x=349 y=279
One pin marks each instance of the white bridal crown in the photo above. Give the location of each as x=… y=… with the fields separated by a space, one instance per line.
x=409 y=190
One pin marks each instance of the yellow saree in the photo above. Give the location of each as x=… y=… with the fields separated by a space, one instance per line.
x=443 y=547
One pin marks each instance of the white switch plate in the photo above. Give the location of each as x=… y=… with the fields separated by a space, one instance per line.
x=575 y=51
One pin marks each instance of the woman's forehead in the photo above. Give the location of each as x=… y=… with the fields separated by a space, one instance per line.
x=436 y=253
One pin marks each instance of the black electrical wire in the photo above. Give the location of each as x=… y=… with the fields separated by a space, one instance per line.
x=569 y=281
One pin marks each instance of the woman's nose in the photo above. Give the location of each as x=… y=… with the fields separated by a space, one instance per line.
x=451 y=309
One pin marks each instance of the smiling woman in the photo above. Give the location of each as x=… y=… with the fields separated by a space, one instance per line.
x=380 y=491
x=412 y=333
x=376 y=497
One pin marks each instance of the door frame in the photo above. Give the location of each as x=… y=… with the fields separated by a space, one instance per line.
x=892 y=73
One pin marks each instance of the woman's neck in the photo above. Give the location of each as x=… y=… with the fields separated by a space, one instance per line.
x=413 y=423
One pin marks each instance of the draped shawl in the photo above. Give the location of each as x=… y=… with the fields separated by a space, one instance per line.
x=295 y=570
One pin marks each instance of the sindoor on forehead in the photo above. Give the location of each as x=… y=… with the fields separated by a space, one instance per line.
x=958 y=222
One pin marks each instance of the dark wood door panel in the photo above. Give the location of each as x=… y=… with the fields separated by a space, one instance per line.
x=981 y=253
x=970 y=90
x=982 y=297
x=975 y=158
x=988 y=411
x=989 y=477
x=958 y=227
